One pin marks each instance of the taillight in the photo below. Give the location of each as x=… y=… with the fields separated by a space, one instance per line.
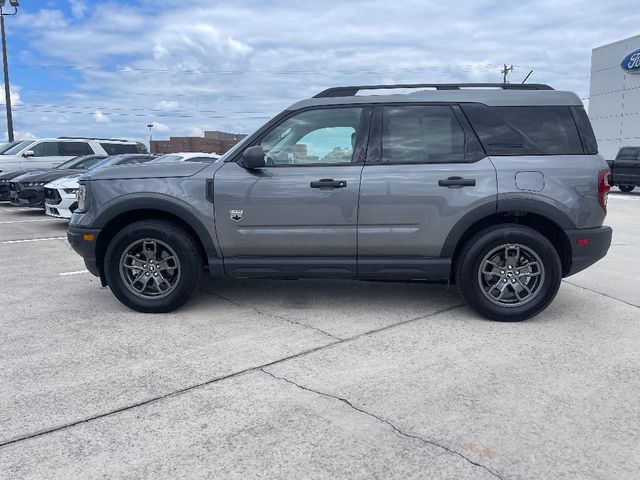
x=603 y=188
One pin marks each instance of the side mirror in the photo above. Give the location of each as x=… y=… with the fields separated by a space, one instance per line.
x=253 y=157
x=28 y=153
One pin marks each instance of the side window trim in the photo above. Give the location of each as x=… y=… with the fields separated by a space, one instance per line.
x=362 y=135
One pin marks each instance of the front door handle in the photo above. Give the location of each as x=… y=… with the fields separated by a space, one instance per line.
x=328 y=183
x=457 y=182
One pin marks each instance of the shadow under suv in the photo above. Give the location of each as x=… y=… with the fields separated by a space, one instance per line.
x=496 y=188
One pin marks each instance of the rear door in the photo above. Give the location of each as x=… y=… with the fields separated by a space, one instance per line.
x=297 y=216
x=425 y=170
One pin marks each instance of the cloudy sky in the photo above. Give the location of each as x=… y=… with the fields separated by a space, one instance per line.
x=109 y=68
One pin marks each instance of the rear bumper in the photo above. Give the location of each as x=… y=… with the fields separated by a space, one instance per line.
x=85 y=248
x=583 y=256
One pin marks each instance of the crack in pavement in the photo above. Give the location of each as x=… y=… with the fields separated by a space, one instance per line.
x=271 y=315
x=603 y=294
x=11 y=441
x=385 y=421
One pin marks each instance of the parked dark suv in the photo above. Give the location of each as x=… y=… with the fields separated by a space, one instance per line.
x=497 y=188
x=625 y=169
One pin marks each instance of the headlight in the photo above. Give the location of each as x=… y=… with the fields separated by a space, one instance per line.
x=70 y=191
x=83 y=203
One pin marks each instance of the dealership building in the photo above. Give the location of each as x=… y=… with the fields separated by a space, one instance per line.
x=614 y=95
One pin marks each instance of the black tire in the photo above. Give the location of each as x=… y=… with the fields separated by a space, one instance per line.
x=626 y=188
x=182 y=275
x=476 y=287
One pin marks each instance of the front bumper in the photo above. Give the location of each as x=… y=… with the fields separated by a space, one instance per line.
x=84 y=241
x=5 y=195
x=28 y=197
x=585 y=255
x=60 y=204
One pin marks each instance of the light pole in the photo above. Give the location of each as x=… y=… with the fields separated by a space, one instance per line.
x=150 y=126
x=7 y=90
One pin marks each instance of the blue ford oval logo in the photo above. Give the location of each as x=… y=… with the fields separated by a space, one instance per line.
x=631 y=63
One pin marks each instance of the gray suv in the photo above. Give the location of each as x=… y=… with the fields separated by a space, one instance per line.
x=496 y=188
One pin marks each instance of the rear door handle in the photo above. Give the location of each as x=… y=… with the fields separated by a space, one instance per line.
x=328 y=183
x=457 y=182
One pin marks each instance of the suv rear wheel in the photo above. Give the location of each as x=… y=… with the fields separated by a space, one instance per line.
x=153 y=266
x=509 y=272
x=626 y=188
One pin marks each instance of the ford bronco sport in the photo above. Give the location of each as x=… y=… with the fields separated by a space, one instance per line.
x=496 y=188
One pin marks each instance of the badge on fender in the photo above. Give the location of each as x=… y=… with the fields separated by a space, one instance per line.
x=236 y=215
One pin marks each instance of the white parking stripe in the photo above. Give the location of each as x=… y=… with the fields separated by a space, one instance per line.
x=6 y=242
x=25 y=221
x=63 y=274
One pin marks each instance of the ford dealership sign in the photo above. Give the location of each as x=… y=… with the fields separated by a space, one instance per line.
x=631 y=63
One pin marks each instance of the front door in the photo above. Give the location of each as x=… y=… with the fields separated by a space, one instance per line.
x=425 y=171
x=297 y=216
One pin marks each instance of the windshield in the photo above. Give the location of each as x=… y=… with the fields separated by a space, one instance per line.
x=18 y=147
x=121 y=159
x=81 y=162
x=168 y=159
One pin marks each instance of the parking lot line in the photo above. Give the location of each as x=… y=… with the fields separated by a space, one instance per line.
x=6 y=242
x=25 y=221
x=73 y=273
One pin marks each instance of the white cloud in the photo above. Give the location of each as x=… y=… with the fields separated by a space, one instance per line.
x=78 y=8
x=166 y=105
x=16 y=100
x=160 y=127
x=20 y=135
x=100 y=117
x=195 y=132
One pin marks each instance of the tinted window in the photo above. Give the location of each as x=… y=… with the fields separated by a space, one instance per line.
x=423 y=134
x=551 y=129
x=119 y=148
x=46 y=149
x=324 y=136
x=201 y=159
x=589 y=143
x=74 y=149
x=628 y=153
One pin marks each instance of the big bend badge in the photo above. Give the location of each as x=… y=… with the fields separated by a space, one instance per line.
x=236 y=215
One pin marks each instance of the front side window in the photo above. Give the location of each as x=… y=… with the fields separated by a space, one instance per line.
x=315 y=137
x=46 y=149
x=421 y=134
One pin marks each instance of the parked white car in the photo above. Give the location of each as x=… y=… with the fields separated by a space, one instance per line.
x=51 y=152
x=60 y=199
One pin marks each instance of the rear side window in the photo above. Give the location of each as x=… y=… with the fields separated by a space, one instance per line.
x=119 y=148
x=421 y=134
x=628 y=153
x=547 y=130
x=74 y=149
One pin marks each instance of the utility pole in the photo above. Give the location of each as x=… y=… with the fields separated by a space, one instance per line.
x=7 y=89
x=505 y=71
x=150 y=126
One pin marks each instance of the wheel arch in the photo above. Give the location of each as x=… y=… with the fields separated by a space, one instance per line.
x=127 y=211
x=551 y=226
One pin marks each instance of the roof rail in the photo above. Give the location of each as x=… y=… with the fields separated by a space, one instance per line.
x=353 y=90
x=96 y=138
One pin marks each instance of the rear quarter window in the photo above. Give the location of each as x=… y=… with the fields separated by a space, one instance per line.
x=119 y=148
x=628 y=153
x=552 y=129
x=531 y=130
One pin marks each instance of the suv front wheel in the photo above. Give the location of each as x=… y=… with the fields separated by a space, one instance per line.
x=509 y=272
x=153 y=266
